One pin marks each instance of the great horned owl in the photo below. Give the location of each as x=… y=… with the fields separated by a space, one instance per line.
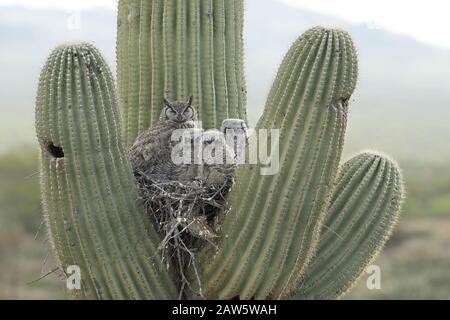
x=151 y=157
x=151 y=153
x=217 y=164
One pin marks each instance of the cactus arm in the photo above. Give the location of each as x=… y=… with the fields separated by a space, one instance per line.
x=219 y=63
x=134 y=81
x=207 y=62
x=181 y=44
x=365 y=208
x=89 y=192
x=156 y=66
x=54 y=195
x=272 y=228
x=121 y=55
x=145 y=61
x=239 y=61
x=177 y=48
x=193 y=53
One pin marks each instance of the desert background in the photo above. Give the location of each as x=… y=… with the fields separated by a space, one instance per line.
x=401 y=107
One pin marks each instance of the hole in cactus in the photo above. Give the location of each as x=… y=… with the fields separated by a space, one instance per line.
x=55 y=151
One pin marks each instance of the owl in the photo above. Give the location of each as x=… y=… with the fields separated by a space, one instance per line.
x=152 y=160
x=217 y=164
x=151 y=153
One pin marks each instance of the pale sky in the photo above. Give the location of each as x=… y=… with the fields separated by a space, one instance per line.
x=425 y=20
x=62 y=4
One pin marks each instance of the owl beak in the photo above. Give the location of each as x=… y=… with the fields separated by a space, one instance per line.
x=179 y=118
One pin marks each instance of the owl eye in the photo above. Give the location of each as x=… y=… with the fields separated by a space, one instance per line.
x=188 y=113
x=170 y=112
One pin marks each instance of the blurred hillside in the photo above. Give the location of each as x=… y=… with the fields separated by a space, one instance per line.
x=401 y=105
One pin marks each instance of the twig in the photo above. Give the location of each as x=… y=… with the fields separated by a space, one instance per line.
x=38 y=230
x=176 y=206
x=42 y=277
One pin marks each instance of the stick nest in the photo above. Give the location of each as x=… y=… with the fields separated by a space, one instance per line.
x=186 y=214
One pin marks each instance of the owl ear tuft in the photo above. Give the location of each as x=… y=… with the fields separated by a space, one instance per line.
x=190 y=100
x=167 y=102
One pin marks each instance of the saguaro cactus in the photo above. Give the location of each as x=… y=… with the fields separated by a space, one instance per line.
x=365 y=207
x=270 y=244
x=88 y=190
x=176 y=48
x=271 y=231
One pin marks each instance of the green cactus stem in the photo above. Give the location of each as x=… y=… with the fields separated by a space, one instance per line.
x=89 y=195
x=365 y=209
x=304 y=231
x=175 y=48
x=272 y=229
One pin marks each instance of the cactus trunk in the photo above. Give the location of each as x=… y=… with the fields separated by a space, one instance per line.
x=364 y=211
x=271 y=231
x=175 y=48
x=89 y=194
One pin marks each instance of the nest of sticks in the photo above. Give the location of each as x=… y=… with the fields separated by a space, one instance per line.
x=186 y=214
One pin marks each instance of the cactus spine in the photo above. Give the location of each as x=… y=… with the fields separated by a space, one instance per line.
x=89 y=194
x=176 y=48
x=365 y=207
x=271 y=231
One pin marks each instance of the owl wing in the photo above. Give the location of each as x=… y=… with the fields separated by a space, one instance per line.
x=151 y=152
